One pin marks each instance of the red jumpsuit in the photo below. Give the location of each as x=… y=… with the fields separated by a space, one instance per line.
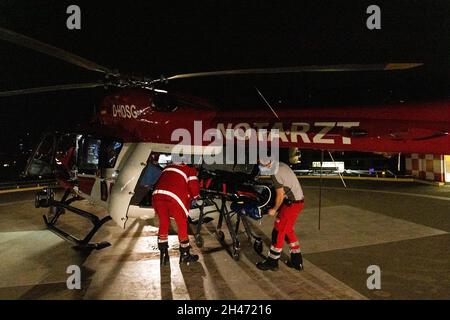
x=283 y=229
x=176 y=188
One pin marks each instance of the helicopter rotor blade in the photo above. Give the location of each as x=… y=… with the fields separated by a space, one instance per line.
x=62 y=87
x=36 y=45
x=297 y=69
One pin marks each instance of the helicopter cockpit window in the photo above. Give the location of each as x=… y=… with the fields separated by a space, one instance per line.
x=109 y=153
x=164 y=103
x=41 y=163
x=45 y=150
x=89 y=154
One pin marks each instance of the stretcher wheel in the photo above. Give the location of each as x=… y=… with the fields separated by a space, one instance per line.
x=220 y=235
x=258 y=246
x=199 y=241
x=42 y=198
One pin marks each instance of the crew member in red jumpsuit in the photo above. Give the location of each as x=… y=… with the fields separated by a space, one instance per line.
x=289 y=202
x=176 y=188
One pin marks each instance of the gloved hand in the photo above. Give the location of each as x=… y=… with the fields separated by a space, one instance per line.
x=196 y=203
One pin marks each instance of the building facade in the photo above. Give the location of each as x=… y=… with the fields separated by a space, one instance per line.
x=430 y=167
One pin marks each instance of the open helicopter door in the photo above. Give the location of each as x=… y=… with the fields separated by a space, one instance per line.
x=131 y=165
x=41 y=162
x=52 y=158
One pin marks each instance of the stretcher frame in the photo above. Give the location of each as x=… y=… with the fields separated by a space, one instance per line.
x=211 y=198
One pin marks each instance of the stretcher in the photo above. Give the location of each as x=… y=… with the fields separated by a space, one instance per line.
x=236 y=205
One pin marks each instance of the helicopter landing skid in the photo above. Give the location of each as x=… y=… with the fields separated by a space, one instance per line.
x=45 y=198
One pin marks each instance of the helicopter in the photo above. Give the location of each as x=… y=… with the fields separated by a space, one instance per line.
x=105 y=161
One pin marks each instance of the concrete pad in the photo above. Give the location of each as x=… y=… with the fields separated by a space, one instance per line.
x=353 y=235
x=410 y=269
x=36 y=263
x=348 y=227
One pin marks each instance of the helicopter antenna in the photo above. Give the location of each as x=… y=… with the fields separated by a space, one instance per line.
x=320 y=187
x=340 y=175
x=267 y=103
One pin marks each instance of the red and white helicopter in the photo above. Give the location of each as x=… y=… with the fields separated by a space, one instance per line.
x=105 y=162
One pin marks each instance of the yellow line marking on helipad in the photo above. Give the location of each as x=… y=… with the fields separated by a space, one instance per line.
x=21 y=189
x=353 y=178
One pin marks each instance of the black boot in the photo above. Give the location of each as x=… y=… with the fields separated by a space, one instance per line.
x=186 y=256
x=268 y=264
x=163 y=252
x=296 y=261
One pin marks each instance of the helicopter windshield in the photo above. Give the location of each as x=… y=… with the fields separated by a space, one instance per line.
x=40 y=164
x=61 y=155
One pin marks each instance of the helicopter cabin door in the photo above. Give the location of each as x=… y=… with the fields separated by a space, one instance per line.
x=41 y=163
x=53 y=157
x=129 y=171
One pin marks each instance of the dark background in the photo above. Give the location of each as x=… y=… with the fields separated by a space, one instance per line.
x=166 y=37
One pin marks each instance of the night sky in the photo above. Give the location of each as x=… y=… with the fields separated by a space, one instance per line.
x=166 y=37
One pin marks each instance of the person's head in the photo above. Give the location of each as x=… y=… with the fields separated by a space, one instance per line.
x=267 y=165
